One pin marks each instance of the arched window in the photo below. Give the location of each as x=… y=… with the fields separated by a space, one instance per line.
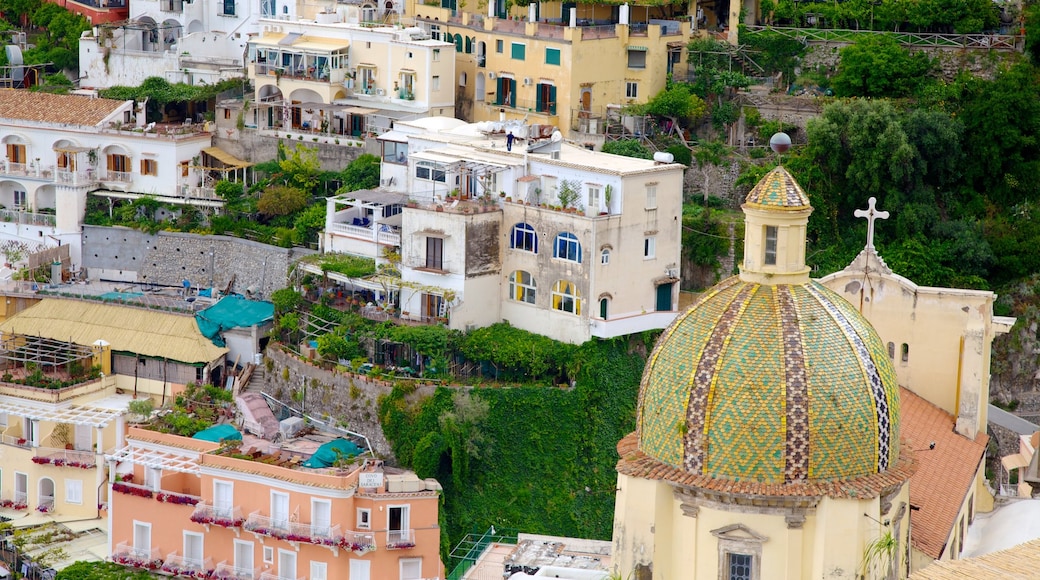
x=522 y=287
x=604 y=256
x=565 y=297
x=462 y=79
x=905 y=352
x=458 y=43
x=469 y=45
x=524 y=238
x=567 y=247
x=604 y=304
x=892 y=350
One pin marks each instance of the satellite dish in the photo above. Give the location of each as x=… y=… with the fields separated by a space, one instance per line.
x=556 y=136
x=780 y=142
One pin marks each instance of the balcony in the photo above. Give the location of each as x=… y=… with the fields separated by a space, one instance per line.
x=14 y=440
x=400 y=539
x=27 y=218
x=18 y=501
x=390 y=238
x=128 y=555
x=74 y=177
x=181 y=566
x=64 y=458
x=226 y=571
x=225 y=517
x=360 y=543
x=117 y=176
x=46 y=504
x=292 y=531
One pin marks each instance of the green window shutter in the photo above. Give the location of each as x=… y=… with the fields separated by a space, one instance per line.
x=519 y=51
x=552 y=56
x=552 y=99
x=512 y=93
x=539 y=103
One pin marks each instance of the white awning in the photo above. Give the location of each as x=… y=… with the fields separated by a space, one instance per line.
x=159 y=458
x=75 y=415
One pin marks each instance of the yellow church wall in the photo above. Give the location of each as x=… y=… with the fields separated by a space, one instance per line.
x=684 y=538
x=947 y=332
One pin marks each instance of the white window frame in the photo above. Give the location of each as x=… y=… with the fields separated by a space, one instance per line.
x=435 y=83
x=221 y=509
x=406 y=520
x=319 y=571
x=268 y=555
x=364 y=519
x=287 y=574
x=596 y=198
x=326 y=531
x=234 y=555
x=528 y=289
x=202 y=547
x=153 y=478
x=147 y=527
x=769 y=245
x=651 y=196
x=74 y=491
x=631 y=90
x=649 y=247
x=405 y=561
x=280 y=522
x=604 y=256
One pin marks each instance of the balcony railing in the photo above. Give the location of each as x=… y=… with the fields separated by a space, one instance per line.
x=360 y=543
x=46 y=504
x=120 y=176
x=18 y=501
x=15 y=441
x=181 y=566
x=27 y=218
x=226 y=571
x=74 y=177
x=64 y=458
x=292 y=531
x=127 y=555
x=400 y=539
x=226 y=517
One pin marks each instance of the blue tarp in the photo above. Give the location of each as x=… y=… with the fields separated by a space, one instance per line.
x=232 y=312
x=327 y=454
x=218 y=433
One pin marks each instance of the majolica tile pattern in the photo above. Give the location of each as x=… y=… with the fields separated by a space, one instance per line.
x=771 y=384
x=778 y=191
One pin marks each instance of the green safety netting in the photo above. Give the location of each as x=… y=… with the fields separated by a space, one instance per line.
x=327 y=454
x=232 y=312
x=218 y=433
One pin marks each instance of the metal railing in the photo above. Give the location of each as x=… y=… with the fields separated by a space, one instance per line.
x=46 y=503
x=400 y=539
x=227 y=517
x=283 y=529
x=27 y=218
x=926 y=39
x=121 y=176
x=226 y=571
x=359 y=542
x=181 y=566
x=69 y=457
x=128 y=555
x=16 y=441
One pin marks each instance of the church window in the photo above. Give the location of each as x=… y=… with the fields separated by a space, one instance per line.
x=905 y=352
x=739 y=566
x=770 y=257
x=892 y=350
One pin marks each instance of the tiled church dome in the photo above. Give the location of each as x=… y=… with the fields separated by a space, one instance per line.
x=771 y=383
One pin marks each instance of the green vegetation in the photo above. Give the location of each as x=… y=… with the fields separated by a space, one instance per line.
x=56 y=38
x=877 y=66
x=945 y=16
x=197 y=408
x=102 y=571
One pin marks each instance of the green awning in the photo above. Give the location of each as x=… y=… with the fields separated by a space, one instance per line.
x=218 y=433
x=329 y=453
x=639 y=48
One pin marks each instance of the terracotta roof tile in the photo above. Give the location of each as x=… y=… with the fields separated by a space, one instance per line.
x=945 y=474
x=635 y=463
x=49 y=108
x=1021 y=562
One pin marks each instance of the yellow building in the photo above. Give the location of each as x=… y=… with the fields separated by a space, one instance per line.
x=557 y=64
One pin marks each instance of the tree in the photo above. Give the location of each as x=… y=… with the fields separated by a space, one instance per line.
x=709 y=154
x=628 y=148
x=460 y=427
x=877 y=66
x=309 y=223
x=286 y=300
x=362 y=173
x=280 y=200
x=678 y=103
x=233 y=194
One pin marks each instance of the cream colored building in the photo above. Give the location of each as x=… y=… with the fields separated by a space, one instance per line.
x=556 y=64
x=335 y=77
x=553 y=238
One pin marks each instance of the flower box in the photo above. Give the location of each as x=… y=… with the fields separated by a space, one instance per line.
x=399 y=545
x=202 y=518
x=356 y=547
x=6 y=503
x=131 y=490
x=136 y=562
x=167 y=497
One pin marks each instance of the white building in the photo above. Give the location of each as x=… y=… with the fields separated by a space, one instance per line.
x=58 y=148
x=553 y=238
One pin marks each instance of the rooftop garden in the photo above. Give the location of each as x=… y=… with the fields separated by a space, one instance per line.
x=198 y=407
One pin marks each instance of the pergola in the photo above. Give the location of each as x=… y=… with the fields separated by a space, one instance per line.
x=74 y=415
x=24 y=349
x=165 y=459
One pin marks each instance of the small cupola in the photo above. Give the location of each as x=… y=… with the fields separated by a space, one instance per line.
x=776 y=216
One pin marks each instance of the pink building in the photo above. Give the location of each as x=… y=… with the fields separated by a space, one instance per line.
x=256 y=513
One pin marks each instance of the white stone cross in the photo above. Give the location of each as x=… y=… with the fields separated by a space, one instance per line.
x=871 y=213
